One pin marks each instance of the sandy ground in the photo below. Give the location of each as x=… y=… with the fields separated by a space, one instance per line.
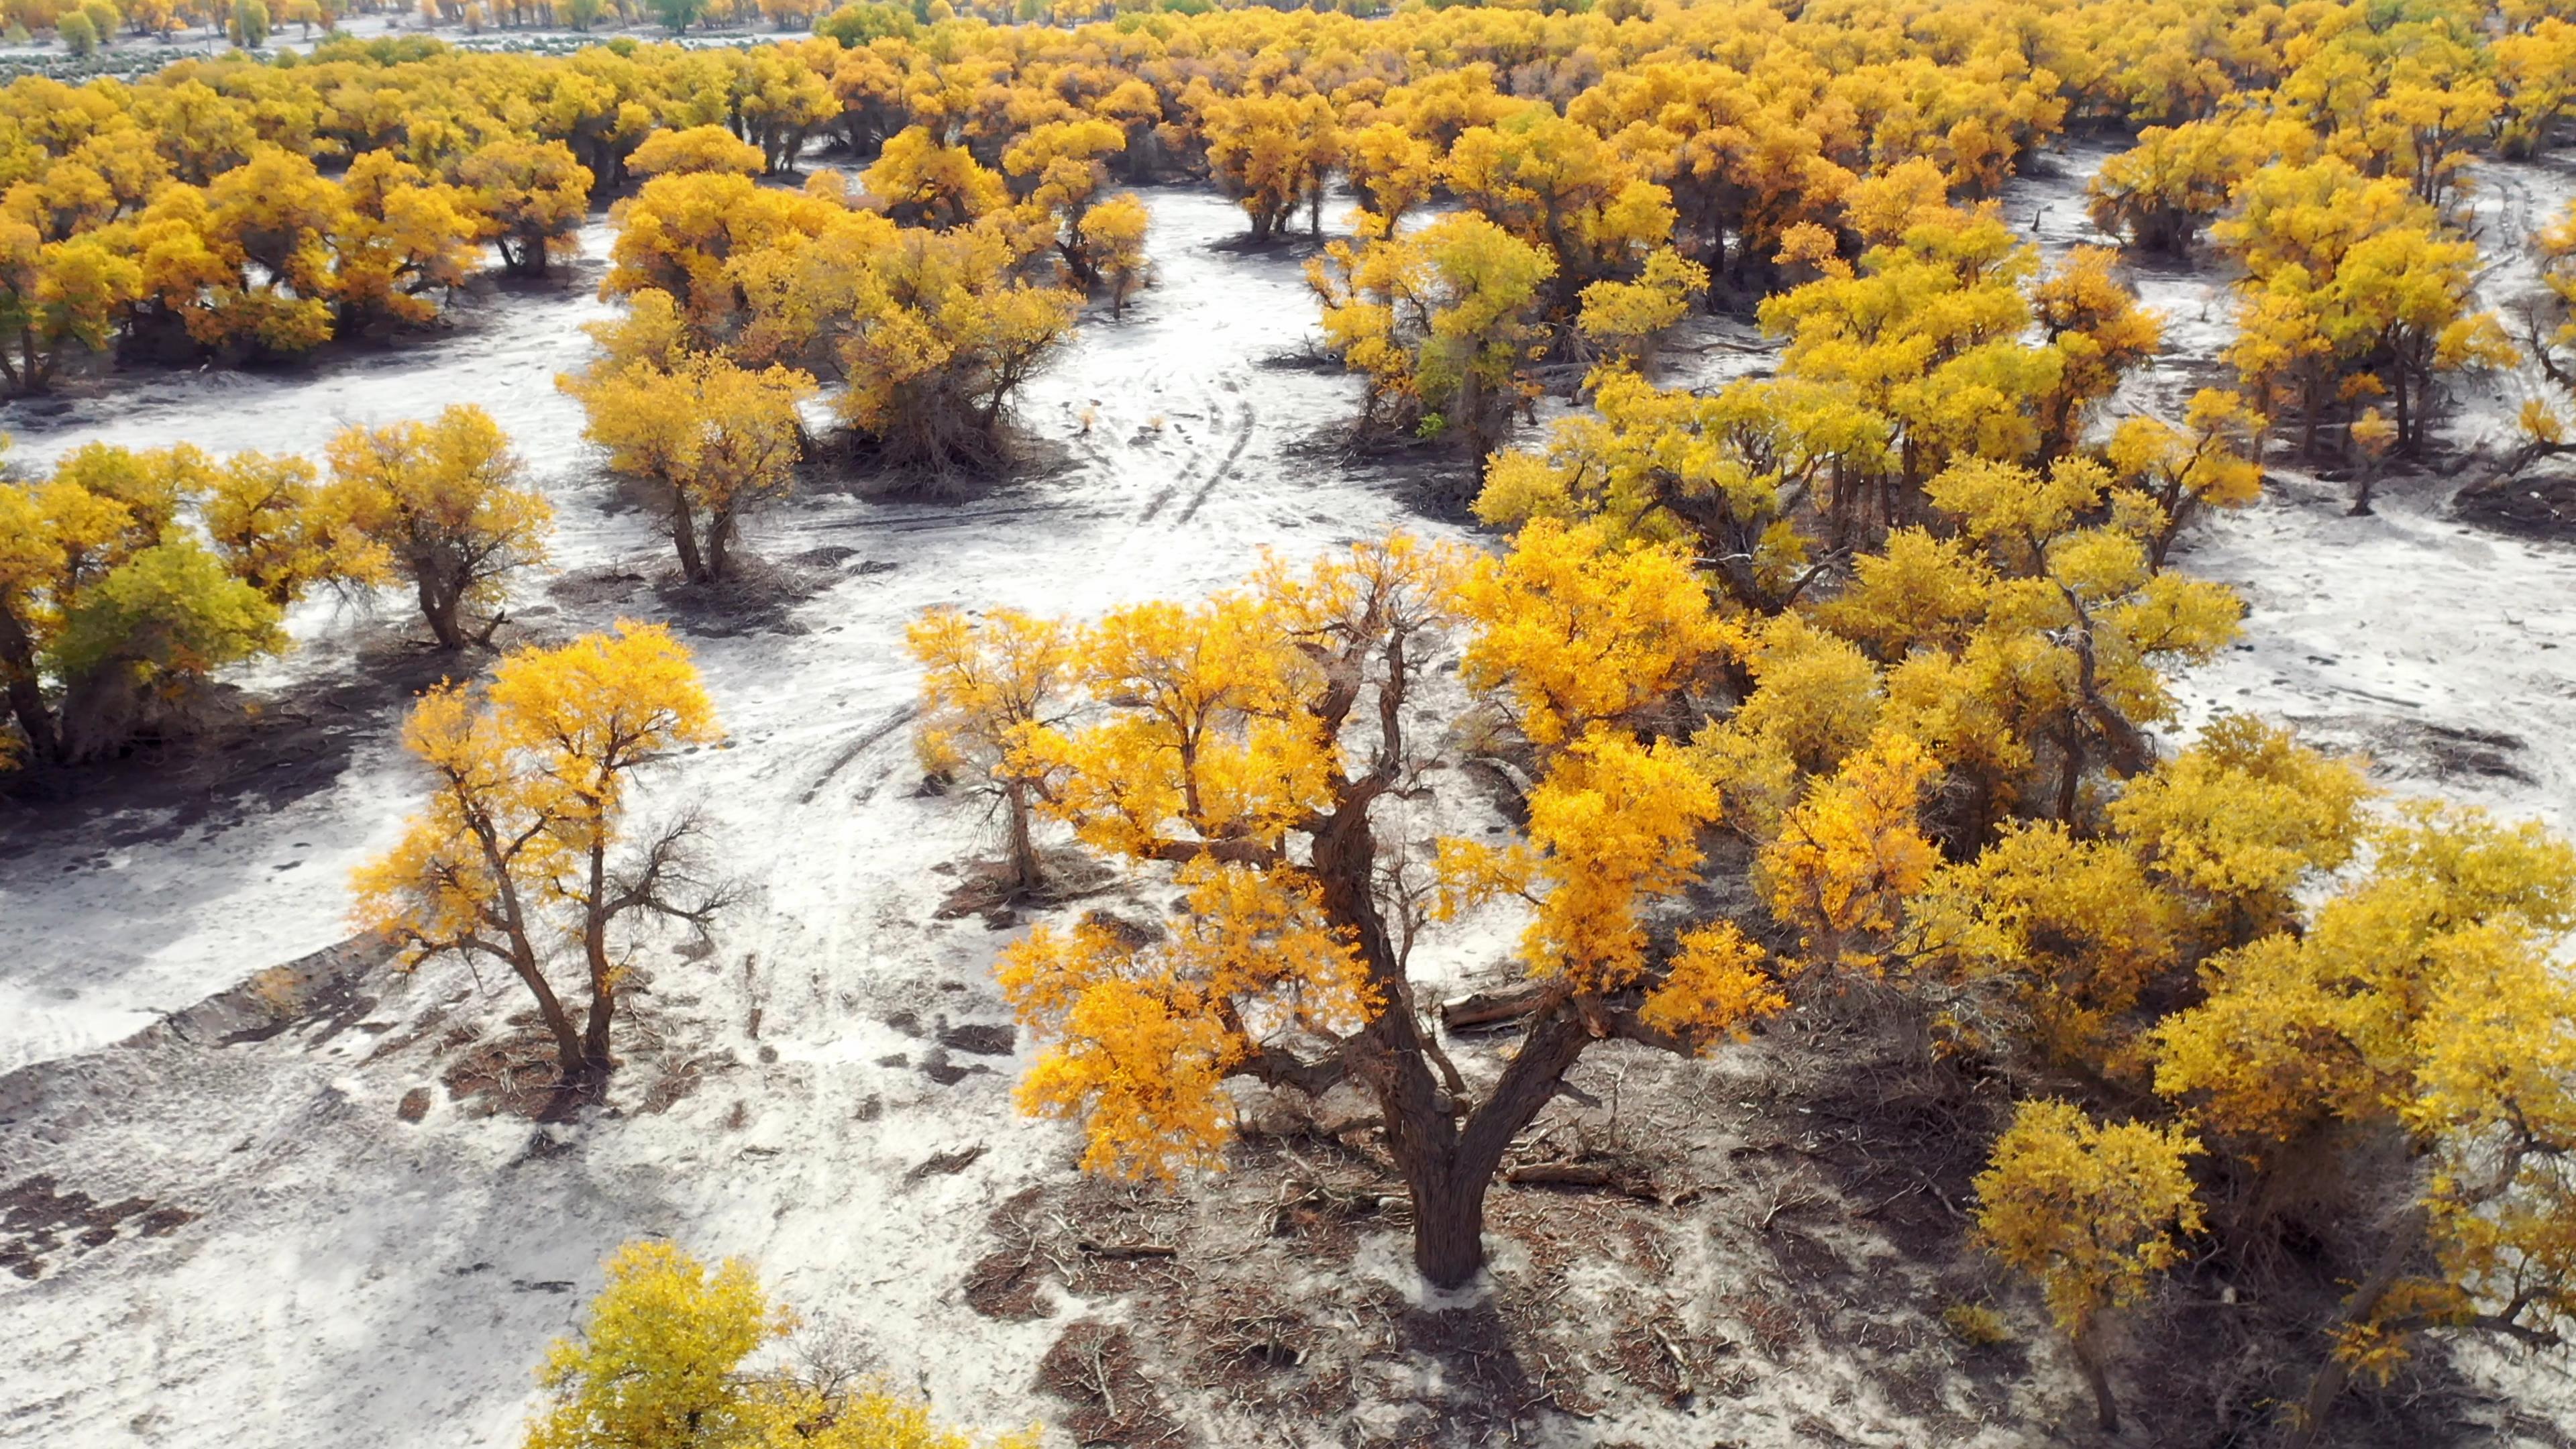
x=312 y=1269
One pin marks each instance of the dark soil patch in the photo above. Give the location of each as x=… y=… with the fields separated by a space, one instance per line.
x=245 y=764
x=945 y=1164
x=1009 y=1283
x=981 y=1040
x=2540 y=503
x=987 y=888
x=515 y=1075
x=946 y=1073
x=37 y=1215
x=1094 y=1368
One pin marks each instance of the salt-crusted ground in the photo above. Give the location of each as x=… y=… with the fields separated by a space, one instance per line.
x=227 y=1232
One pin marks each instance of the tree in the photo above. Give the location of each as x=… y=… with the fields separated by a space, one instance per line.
x=77 y=32
x=2184 y=472
x=2055 y=940
x=1624 y=318
x=709 y=438
x=401 y=237
x=525 y=841
x=533 y=195
x=250 y=24
x=2417 y=1009
x=1438 y=323
x=1272 y=154
x=1556 y=185
x=1059 y=170
x=923 y=183
x=1734 y=475
x=2097 y=331
x=695 y=149
x=140 y=641
x=2160 y=193
x=2354 y=288
x=114 y=614
x=247 y=261
x=270 y=523
x=658 y=1364
x=681 y=235
x=1256 y=744
x=56 y=296
x=445 y=506
x=1393 y=170
x=2091 y=1213
x=932 y=333
x=1113 y=246
x=1848 y=856
x=986 y=685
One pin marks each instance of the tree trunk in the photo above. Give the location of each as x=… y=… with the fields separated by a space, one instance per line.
x=684 y=533
x=26 y=692
x=438 y=605
x=2106 y=1412
x=1449 y=1230
x=2334 y=1373
x=550 y=1007
x=603 y=973
x=2070 y=784
x=719 y=543
x=1025 y=874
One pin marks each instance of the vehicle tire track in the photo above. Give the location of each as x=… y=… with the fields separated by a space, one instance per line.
x=901 y=715
x=1225 y=465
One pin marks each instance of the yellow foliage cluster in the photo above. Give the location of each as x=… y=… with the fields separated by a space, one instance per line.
x=661 y=1363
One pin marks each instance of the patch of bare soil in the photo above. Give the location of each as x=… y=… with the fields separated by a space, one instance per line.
x=2537 y=503
x=40 y=1219
x=1095 y=1368
x=758 y=595
x=252 y=756
x=515 y=1074
x=1774 y=1251
x=985 y=888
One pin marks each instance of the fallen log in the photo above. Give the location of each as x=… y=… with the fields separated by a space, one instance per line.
x=1487 y=1007
x=1127 y=1250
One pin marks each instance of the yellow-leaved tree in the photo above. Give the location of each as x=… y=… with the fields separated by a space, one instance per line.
x=709 y=439
x=2421 y=1011
x=660 y=1360
x=526 y=847
x=931 y=332
x=443 y=505
x=987 y=682
x=1261 y=745
x=1438 y=321
x=114 y=610
x=2089 y=1211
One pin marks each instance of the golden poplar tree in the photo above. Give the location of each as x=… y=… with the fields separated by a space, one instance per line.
x=525 y=847
x=443 y=505
x=1256 y=746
